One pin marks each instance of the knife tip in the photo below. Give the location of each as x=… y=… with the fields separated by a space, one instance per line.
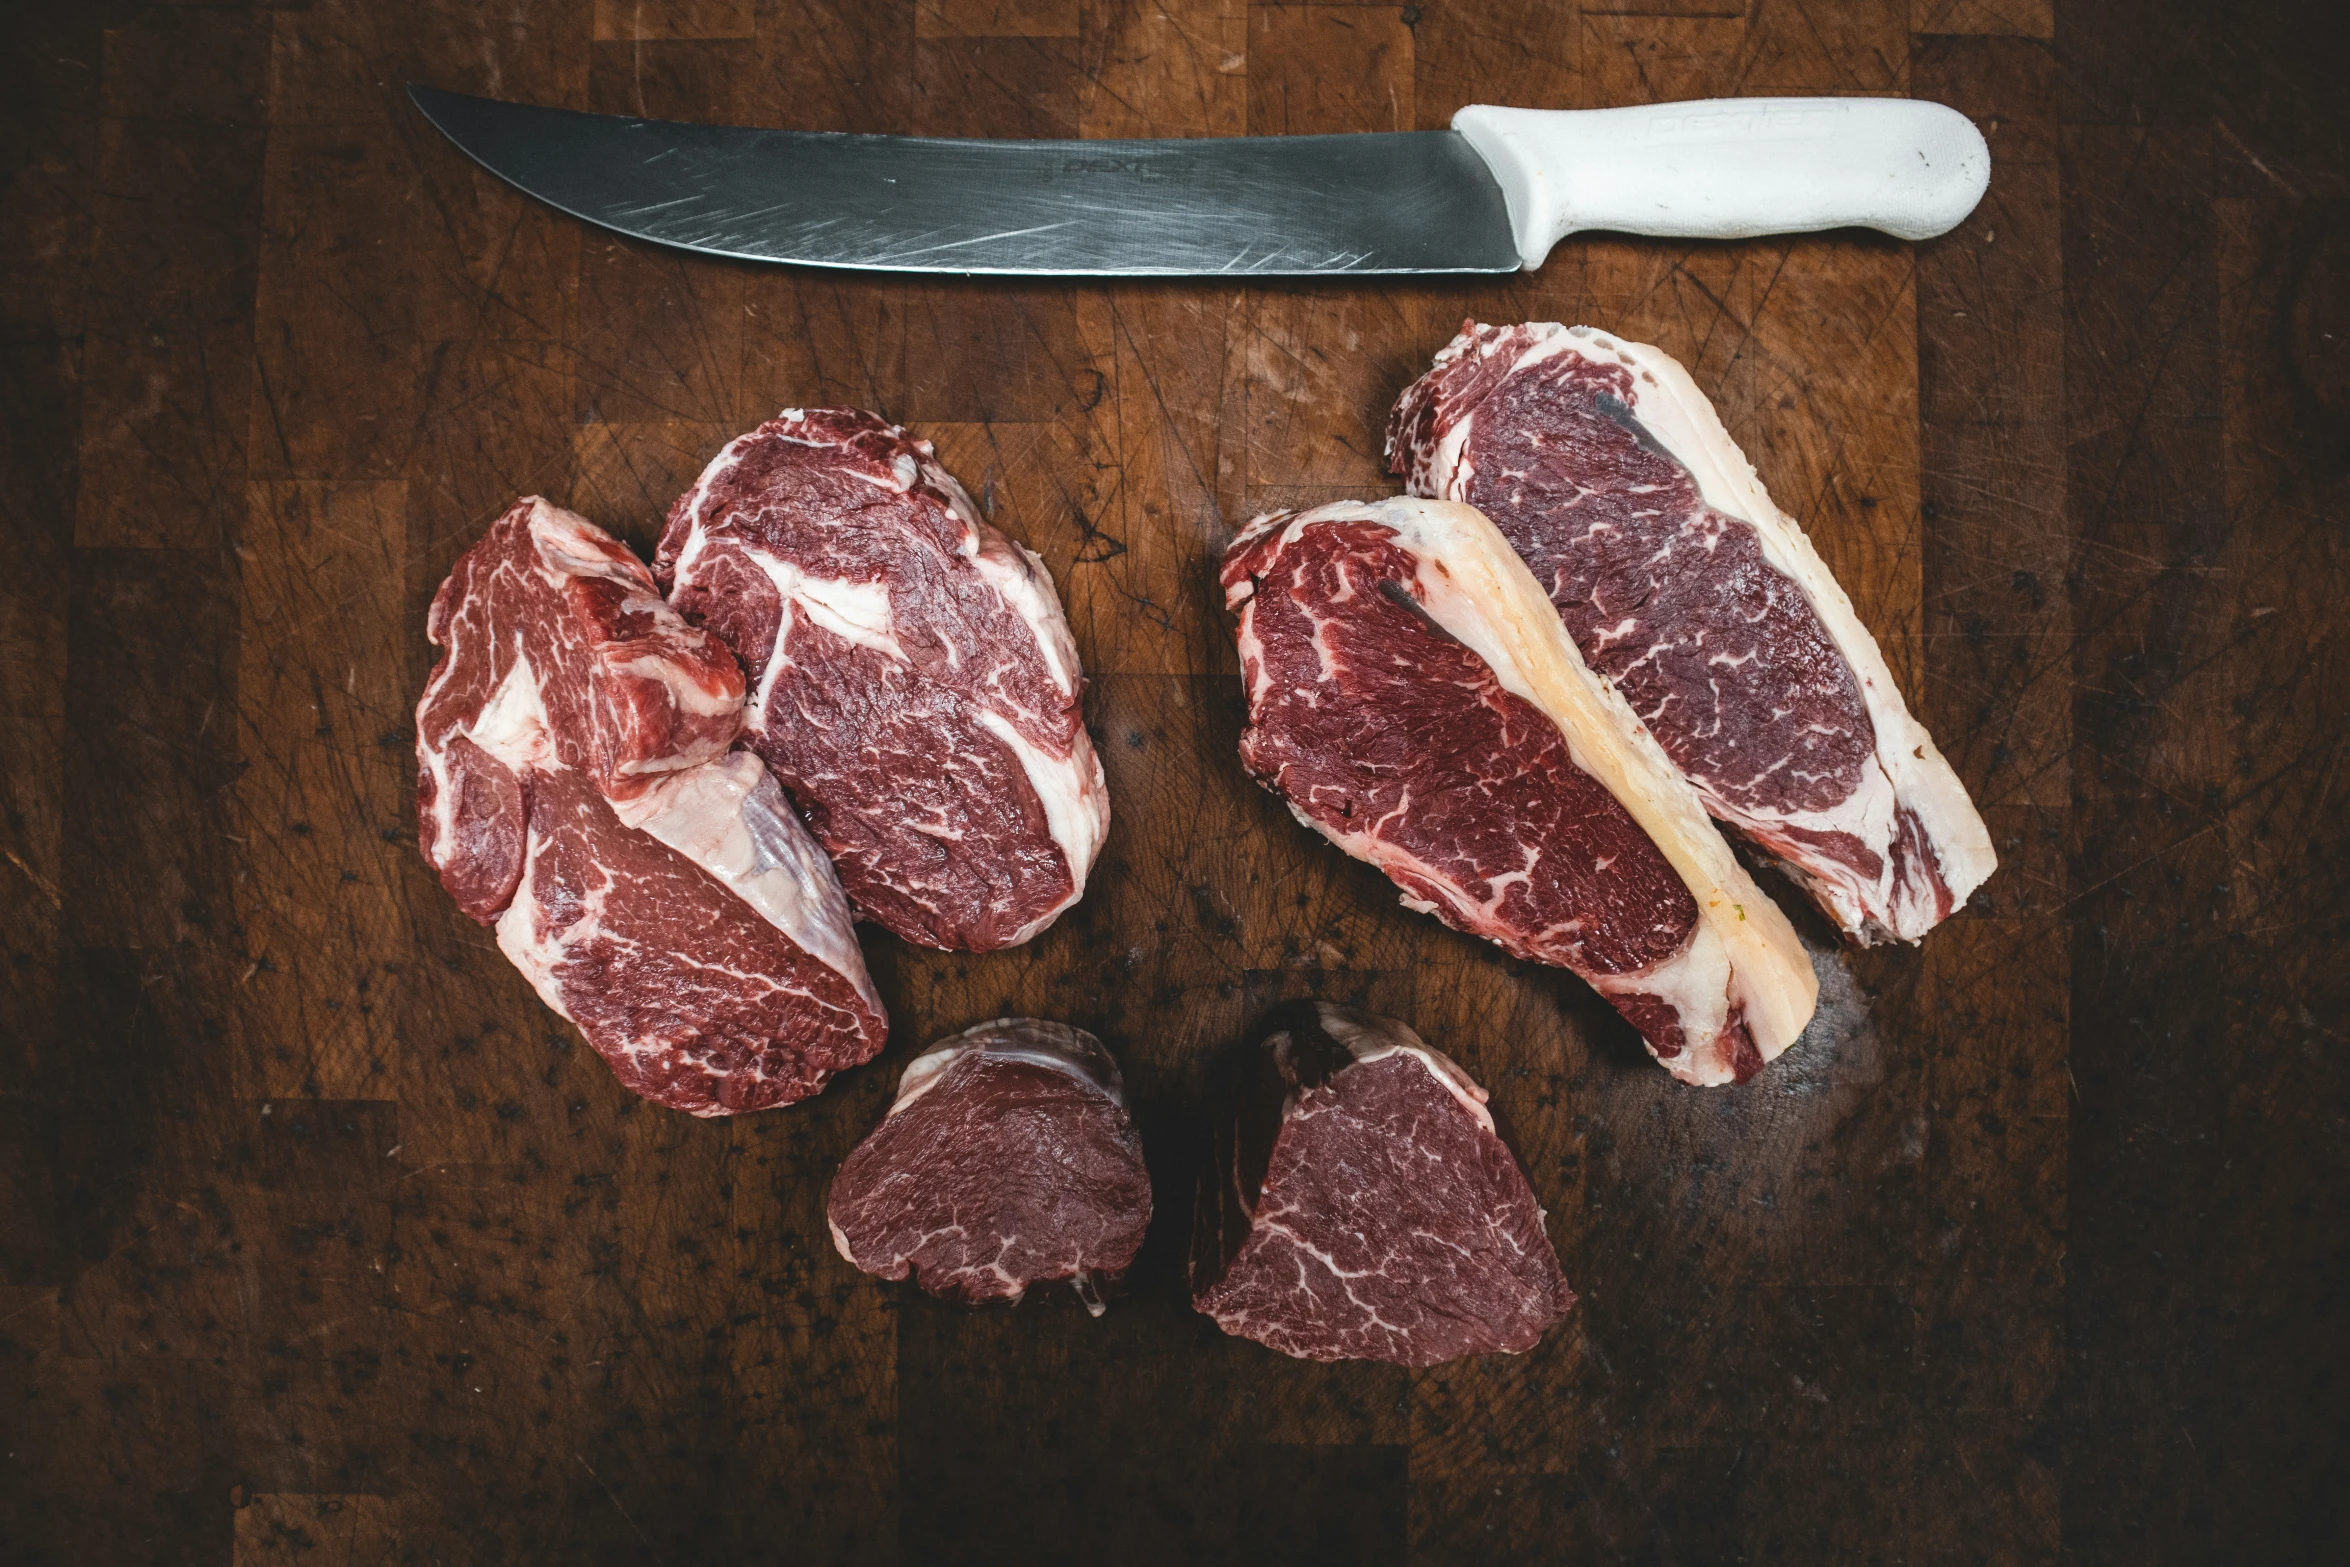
x=427 y=97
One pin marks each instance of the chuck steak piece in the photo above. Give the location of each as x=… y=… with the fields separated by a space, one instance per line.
x=574 y=791
x=913 y=683
x=1610 y=472
x=1007 y=1160
x=1413 y=697
x=560 y=655
x=1361 y=1206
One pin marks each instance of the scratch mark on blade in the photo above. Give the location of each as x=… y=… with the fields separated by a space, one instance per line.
x=979 y=239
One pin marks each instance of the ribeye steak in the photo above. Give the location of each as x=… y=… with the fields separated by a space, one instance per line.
x=1414 y=698
x=1008 y=1159
x=575 y=791
x=1682 y=584
x=914 y=685
x=1361 y=1205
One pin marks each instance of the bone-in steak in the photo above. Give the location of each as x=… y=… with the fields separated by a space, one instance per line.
x=1007 y=1160
x=913 y=683
x=1413 y=697
x=1360 y=1205
x=1610 y=472
x=574 y=790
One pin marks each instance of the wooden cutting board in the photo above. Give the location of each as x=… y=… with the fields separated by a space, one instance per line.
x=325 y=1241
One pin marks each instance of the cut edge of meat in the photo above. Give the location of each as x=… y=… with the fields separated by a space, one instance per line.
x=1922 y=794
x=1074 y=795
x=1744 y=959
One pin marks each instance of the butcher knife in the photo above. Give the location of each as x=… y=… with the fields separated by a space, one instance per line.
x=1492 y=194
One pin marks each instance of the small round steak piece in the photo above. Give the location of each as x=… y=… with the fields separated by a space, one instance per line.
x=1361 y=1206
x=1008 y=1159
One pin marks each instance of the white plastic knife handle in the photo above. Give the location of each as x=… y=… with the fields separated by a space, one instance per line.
x=1730 y=168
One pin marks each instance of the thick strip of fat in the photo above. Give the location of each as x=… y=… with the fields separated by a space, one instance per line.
x=730 y=818
x=1368 y=1038
x=1054 y=1046
x=1475 y=586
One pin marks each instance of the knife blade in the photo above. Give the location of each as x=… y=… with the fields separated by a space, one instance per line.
x=1493 y=194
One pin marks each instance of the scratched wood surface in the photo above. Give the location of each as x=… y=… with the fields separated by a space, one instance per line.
x=321 y=1241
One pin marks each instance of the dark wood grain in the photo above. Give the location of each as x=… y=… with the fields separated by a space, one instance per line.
x=322 y=1241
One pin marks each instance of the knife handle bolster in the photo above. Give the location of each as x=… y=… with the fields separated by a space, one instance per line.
x=1730 y=168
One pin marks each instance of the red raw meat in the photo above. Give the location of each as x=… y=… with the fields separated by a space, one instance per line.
x=574 y=790
x=1008 y=1159
x=1362 y=1206
x=1412 y=696
x=913 y=683
x=1705 y=605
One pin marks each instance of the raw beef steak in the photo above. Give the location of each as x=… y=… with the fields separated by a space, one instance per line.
x=914 y=686
x=1007 y=1160
x=1704 y=604
x=1413 y=697
x=558 y=639
x=574 y=791
x=696 y=936
x=1361 y=1206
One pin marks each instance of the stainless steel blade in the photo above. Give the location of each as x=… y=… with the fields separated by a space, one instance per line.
x=1263 y=206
